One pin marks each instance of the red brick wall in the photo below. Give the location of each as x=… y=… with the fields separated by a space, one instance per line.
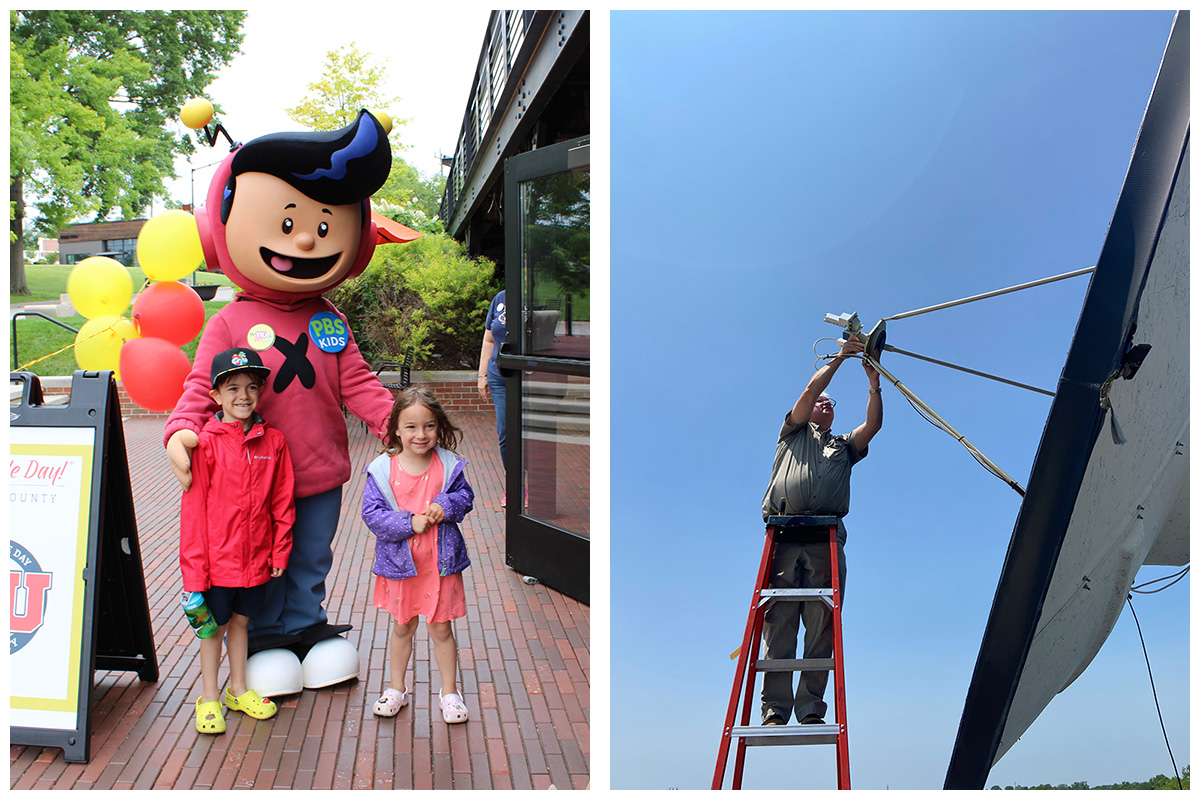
x=456 y=390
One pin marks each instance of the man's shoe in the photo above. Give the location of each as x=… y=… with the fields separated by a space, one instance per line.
x=812 y=719
x=774 y=719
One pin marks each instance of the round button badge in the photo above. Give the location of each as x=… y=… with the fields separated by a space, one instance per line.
x=328 y=331
x=261 y=336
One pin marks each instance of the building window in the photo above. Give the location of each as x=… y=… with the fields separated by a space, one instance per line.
x=121 y=249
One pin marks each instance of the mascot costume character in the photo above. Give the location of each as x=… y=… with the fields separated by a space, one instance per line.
x=288 y=217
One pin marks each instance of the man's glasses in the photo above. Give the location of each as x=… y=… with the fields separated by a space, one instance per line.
x=832 y=403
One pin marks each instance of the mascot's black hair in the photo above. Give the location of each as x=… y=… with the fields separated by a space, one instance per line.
x=335 y=167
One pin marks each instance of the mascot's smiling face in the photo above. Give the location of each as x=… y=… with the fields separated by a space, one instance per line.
x=288 y=214
x=283 y=240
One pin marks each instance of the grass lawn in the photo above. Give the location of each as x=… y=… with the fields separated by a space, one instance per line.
x=37 y=337
x=48 y=282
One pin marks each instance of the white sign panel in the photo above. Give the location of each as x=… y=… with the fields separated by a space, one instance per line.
x=49 y=498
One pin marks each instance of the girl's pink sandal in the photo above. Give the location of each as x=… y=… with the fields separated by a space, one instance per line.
x=390 y=703
x=453 y=709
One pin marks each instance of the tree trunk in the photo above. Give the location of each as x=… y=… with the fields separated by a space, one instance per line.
x=16 y=247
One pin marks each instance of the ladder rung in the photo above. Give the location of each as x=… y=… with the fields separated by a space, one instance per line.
x=768 y=596
x=793 y=664
x=796 y=593
x=760 y=735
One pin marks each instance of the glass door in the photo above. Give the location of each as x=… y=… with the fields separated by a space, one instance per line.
x=545 y=359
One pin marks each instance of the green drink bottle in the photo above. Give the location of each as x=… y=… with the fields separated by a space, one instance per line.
x=199 y=614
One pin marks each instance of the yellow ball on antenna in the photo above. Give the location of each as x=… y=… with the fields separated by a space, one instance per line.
x=384 y=119
x=196 y=113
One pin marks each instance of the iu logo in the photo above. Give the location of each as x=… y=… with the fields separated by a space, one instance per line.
x=28 y=595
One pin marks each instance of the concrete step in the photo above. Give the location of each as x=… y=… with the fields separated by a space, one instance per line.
x=56 y=310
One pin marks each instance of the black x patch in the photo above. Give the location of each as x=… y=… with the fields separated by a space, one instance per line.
x=295 y=364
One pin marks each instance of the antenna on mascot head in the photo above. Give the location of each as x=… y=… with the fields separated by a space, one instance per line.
x=197 y=114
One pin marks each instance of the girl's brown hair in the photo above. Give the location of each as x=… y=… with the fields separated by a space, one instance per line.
x=448 y=434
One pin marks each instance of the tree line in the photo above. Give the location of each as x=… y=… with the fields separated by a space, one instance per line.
x=1159 y=781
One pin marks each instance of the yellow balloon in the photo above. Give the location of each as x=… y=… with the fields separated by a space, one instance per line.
x=169 y=247
x=99 y=286
x=98 y=343
x=196 y=113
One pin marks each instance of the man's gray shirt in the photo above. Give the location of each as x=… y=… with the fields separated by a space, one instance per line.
x=811 y=473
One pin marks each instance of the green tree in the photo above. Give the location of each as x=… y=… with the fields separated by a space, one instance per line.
x=352 y=81
x=90 y=93
x=410 y=199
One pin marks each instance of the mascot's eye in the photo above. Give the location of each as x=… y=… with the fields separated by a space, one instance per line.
x=323 y=230
x=287 y=225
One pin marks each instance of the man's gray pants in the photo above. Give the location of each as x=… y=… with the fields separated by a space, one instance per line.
x=800 y=566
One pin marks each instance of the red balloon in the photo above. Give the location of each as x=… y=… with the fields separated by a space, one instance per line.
x=169 y=310
x=153 y=371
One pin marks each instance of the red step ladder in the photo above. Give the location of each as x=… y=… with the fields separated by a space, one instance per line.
x=749 y=664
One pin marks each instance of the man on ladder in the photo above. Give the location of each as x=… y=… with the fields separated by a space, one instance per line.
x=811 y=475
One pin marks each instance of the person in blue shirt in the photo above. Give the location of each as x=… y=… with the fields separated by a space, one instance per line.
x=491 y=382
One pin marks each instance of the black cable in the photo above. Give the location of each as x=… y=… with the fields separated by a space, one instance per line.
x=1178 y=576
x=1129 y=600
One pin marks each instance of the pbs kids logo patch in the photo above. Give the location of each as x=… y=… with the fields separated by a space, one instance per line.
x=328 y=331
x=29 y=595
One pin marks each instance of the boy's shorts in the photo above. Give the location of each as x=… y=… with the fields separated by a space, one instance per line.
x=225 y=601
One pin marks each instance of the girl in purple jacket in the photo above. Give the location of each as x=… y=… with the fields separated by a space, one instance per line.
x=416 y=494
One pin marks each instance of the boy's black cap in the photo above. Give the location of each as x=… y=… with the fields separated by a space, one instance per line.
x=239 y=359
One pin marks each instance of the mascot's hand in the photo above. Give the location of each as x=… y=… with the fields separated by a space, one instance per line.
x=179 y=451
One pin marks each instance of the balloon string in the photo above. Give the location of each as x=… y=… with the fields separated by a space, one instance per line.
x=68 y=347
x=146 y=284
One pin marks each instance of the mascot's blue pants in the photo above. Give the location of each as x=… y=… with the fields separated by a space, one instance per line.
x=293 y=600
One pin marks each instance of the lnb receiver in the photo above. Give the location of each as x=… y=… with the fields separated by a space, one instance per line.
x=874 y=341
x=848 y=321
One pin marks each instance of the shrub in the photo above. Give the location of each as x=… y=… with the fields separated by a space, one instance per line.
x=426 y=294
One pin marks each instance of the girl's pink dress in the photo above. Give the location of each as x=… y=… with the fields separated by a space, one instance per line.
x=428 y=594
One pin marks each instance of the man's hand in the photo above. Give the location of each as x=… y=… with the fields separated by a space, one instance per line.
x=851 y=346
x=276 y=572
x=179 y=452
x=872 y=373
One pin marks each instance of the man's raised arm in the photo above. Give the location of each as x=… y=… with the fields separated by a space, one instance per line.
x=819 y=382
x=874 y=422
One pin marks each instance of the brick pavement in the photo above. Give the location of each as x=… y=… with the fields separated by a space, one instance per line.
x=524 y=663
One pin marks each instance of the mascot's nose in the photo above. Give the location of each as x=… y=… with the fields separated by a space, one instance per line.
x=305 y=241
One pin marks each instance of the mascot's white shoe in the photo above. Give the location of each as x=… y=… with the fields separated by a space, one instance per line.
x=330 y=661
x=274 y=672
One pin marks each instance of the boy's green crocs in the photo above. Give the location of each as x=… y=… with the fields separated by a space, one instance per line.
x=250 y=703
x=209 y=717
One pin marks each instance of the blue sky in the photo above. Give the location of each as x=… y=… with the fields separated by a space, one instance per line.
x=769 y=168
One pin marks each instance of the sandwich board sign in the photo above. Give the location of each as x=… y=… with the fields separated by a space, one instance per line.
x=77 y=593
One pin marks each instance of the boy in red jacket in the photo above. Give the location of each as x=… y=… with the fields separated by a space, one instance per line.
x=236 y=527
